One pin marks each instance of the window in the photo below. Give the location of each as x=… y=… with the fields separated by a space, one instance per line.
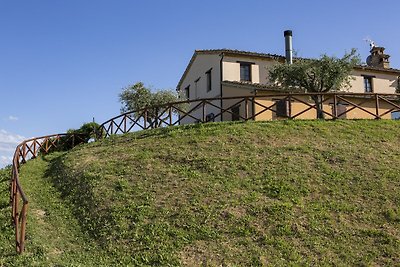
x=282 y=108
x=208 y=76
x=245 y=72
x=341 y=110
x=235 y=113
x=196 y=87
x=368 y=84
x=187 y=94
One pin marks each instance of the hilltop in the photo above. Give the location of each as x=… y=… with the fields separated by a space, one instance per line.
x=218 y=194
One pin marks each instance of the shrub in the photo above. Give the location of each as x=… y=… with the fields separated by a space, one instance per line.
x=82 y=135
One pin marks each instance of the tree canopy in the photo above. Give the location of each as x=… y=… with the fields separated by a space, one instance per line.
x=138 y=96
x=316 y=75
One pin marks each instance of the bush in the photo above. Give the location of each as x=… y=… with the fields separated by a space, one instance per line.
x=82 y=135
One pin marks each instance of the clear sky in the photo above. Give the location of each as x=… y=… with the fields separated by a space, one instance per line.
x=63 y=62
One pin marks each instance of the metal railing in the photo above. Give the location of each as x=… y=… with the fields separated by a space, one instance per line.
x=29 y=149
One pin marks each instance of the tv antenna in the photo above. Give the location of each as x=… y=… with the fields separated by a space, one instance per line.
x=372 y=44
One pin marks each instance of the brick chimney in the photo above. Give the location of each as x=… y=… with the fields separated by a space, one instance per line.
x=378 y=58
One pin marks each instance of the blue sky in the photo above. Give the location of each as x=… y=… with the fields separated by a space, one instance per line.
x=64 y=62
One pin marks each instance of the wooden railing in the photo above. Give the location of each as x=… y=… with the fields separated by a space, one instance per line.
x=190 y=111
x=253 y=107
x=29 y=149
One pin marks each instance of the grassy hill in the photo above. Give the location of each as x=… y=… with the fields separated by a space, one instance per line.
x=228 y=194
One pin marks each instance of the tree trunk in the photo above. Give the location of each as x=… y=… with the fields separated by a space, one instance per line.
x=150 y=122
x=318 y=99
x=152 y=118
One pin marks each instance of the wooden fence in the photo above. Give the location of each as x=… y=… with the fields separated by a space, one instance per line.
x=253 y=108
x=193 y=111
x=29 y=149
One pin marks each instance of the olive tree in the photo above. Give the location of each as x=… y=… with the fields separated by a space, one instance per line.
x=137 y=97
x=321 y=75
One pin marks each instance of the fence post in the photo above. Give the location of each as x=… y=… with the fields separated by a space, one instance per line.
x=145 y=118
x=204 y=112
x=170 y=115
x=125 y=123
x=377 y=107
x=14 y=197
x=34 y=148
x=16 y=210
x=290 y=106
x=23 y=152
x=246 y=108
x=23 y=228
x=156 y=121
x=335 y=115
x=253 y=107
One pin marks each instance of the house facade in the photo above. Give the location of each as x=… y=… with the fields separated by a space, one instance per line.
x=228 y=73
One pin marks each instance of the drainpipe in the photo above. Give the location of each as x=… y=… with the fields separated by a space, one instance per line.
x=288 y=46
x=220 y=81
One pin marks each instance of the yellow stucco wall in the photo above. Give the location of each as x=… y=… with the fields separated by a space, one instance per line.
x=298 y=107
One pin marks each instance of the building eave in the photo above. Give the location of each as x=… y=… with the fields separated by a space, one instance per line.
x=376 y=69
x=253 y=86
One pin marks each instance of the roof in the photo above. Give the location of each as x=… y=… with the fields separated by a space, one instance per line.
x=265 y=56
x=240 y=53
x=365 y=67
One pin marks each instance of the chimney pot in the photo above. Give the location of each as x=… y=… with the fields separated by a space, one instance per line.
x=288 y=46
x=287 y=33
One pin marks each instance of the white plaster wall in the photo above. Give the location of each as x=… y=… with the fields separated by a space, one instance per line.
x=201 y=64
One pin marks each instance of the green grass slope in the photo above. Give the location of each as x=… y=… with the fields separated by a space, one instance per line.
x=54 y=236
x=231 y=194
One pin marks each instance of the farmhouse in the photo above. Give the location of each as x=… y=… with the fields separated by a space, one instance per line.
x=224 y=73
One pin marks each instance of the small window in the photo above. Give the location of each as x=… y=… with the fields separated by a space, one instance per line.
x=282 y=108
x=368 y=84
x=187 y=93
x=340 y=110
x=208 y=76
x=245 y=72
x=196 y=87
x=235 y=113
